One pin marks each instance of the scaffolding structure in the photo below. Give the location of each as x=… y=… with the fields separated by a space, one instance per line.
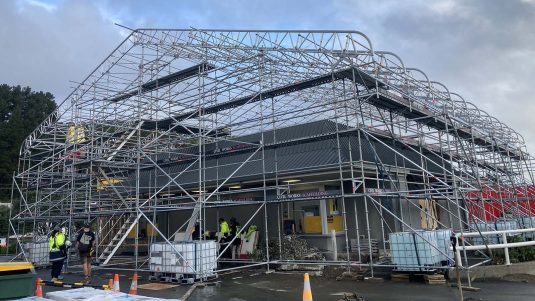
x=151 y=128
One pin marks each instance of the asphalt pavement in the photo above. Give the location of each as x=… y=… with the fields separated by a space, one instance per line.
x=256 y=285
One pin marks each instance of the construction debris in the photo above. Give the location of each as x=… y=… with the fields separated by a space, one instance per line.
x=292 y=247
x=342 y=273
x=351 y=297
x=350 y=275
x=295 y=248
x=468 y=288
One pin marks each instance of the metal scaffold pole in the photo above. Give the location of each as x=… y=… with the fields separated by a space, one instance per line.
x=317 y=129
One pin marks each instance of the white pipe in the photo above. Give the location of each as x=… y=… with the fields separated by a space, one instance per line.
x=498 y=246
x=505 y=245
x=506 y=249
x=475 y=234
x=334 y=245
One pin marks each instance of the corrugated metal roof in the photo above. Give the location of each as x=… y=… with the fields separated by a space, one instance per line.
x=290 y=157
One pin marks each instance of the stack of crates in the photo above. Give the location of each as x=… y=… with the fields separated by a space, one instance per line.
x=414 y=251
x=197 y=259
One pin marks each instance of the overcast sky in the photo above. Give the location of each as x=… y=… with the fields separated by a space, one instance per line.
x=484 y=50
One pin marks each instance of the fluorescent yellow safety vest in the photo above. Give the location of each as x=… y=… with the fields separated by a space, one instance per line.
x=55 y=242
x=224 y=229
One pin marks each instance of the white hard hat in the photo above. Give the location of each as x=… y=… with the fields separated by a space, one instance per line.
x=68 y=243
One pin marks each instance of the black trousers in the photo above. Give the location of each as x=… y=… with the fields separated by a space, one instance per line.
x=56 y=268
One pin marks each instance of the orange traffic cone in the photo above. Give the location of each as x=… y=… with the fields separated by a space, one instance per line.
x=116 y=286
x=307 y=292
x=110 y=284
x=38 y=288
x=133 y=286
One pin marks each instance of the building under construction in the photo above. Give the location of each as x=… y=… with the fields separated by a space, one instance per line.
x=310 y=133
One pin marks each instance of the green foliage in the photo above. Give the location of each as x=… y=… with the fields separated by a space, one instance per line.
x=21 y=111
x=516 y=255
x=4 y=217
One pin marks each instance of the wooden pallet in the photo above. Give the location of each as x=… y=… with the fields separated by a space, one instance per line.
x=178 y=278
x=420 y=271
x=400 y=277
x=435 y=279
x=418 y=277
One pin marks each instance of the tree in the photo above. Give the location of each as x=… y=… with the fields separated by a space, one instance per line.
x=21 y=111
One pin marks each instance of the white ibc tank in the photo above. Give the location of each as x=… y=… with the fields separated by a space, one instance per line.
x=37 y=253
x=196 y=258
x=527 y=222
x=444 y=244
x=413 y=251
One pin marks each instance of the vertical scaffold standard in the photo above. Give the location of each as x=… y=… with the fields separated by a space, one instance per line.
x=311 y=133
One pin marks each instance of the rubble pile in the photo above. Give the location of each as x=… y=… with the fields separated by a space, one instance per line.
x=295 y=248
x=291 y=247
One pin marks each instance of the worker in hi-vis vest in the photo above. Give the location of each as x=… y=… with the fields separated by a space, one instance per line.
x=224 y=234
x=224 y=230
x=58 y=251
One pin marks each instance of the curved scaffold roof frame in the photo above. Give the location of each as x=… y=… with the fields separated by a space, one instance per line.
x=337 y=46
x=194 y=119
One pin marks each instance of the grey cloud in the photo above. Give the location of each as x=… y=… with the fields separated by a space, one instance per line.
x=481 y=49
x=45 y=49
